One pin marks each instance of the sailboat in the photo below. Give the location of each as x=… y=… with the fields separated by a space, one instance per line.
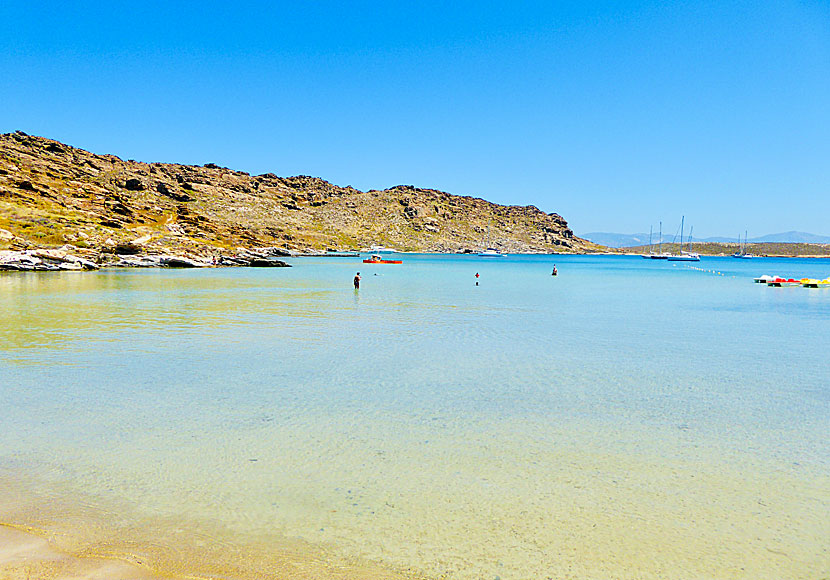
x=684 y=256
x=660 y=255
x=742 y=253
x=490 y=252
x=650 y=252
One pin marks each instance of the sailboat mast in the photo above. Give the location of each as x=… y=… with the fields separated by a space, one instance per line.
x=682 y=219
x=661 y=237
x=650 y=228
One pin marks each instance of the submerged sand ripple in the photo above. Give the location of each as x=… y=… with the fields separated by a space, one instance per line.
x=24 y=556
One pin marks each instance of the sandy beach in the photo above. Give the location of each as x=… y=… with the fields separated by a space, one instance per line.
x=26 y=556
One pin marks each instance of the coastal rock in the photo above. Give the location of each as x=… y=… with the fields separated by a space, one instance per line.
x=137 y=262
x=158 y=261
x=43 y=260
x=182 y=262
x=268 y=263
x=233 y=261
x=70 y=261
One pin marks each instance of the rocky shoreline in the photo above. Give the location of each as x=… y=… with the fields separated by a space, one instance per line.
x=63 y=259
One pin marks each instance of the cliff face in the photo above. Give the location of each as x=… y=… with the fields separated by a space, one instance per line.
x=54 y=194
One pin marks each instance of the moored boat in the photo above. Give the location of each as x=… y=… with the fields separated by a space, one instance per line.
x=779 y=282
x=742 y=253
x=684 y=255
x=491 y=253
x=375 y=259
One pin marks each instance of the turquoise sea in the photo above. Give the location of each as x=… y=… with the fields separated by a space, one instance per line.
x=627 y=418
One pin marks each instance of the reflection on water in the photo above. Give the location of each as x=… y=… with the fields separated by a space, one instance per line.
x=624 y=419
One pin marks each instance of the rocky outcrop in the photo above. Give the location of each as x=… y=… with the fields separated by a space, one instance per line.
x=43 y=260
x=52 y=194
x=268 y=263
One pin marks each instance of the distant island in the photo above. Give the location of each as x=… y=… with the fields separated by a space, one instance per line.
x=761 y=249
x=52 y=194
x=616 y=240
x=786 y=244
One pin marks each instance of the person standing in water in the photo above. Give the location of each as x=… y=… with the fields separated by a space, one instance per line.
x=554 y=271
x=476 y=278
x=357 y=281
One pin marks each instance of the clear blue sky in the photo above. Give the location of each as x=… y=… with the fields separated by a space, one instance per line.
x=614 y=114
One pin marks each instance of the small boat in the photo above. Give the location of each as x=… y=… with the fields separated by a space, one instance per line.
x=491 y=253
x=778 y=282
x=684 y=257
x=375 y=259
x=765 y=279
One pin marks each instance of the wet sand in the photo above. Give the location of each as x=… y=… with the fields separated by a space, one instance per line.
x=26 y=556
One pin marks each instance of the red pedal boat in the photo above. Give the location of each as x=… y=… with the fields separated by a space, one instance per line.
x=375 y=259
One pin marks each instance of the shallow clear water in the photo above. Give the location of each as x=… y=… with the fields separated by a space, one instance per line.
x=628 y=418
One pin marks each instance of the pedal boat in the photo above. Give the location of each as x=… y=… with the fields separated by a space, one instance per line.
x=375 y=259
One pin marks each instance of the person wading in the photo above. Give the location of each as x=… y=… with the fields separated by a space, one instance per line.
x=357 y=281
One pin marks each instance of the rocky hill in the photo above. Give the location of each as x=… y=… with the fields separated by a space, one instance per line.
x=52 y=194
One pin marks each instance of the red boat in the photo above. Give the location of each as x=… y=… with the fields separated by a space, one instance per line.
x=375 y=259
x=778 y=282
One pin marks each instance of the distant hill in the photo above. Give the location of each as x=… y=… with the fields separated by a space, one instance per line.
x=793 y=238
x=614 y=240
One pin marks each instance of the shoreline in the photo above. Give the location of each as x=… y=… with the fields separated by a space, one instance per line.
x=25 y=555
x=60 y=534
x=61 y=260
